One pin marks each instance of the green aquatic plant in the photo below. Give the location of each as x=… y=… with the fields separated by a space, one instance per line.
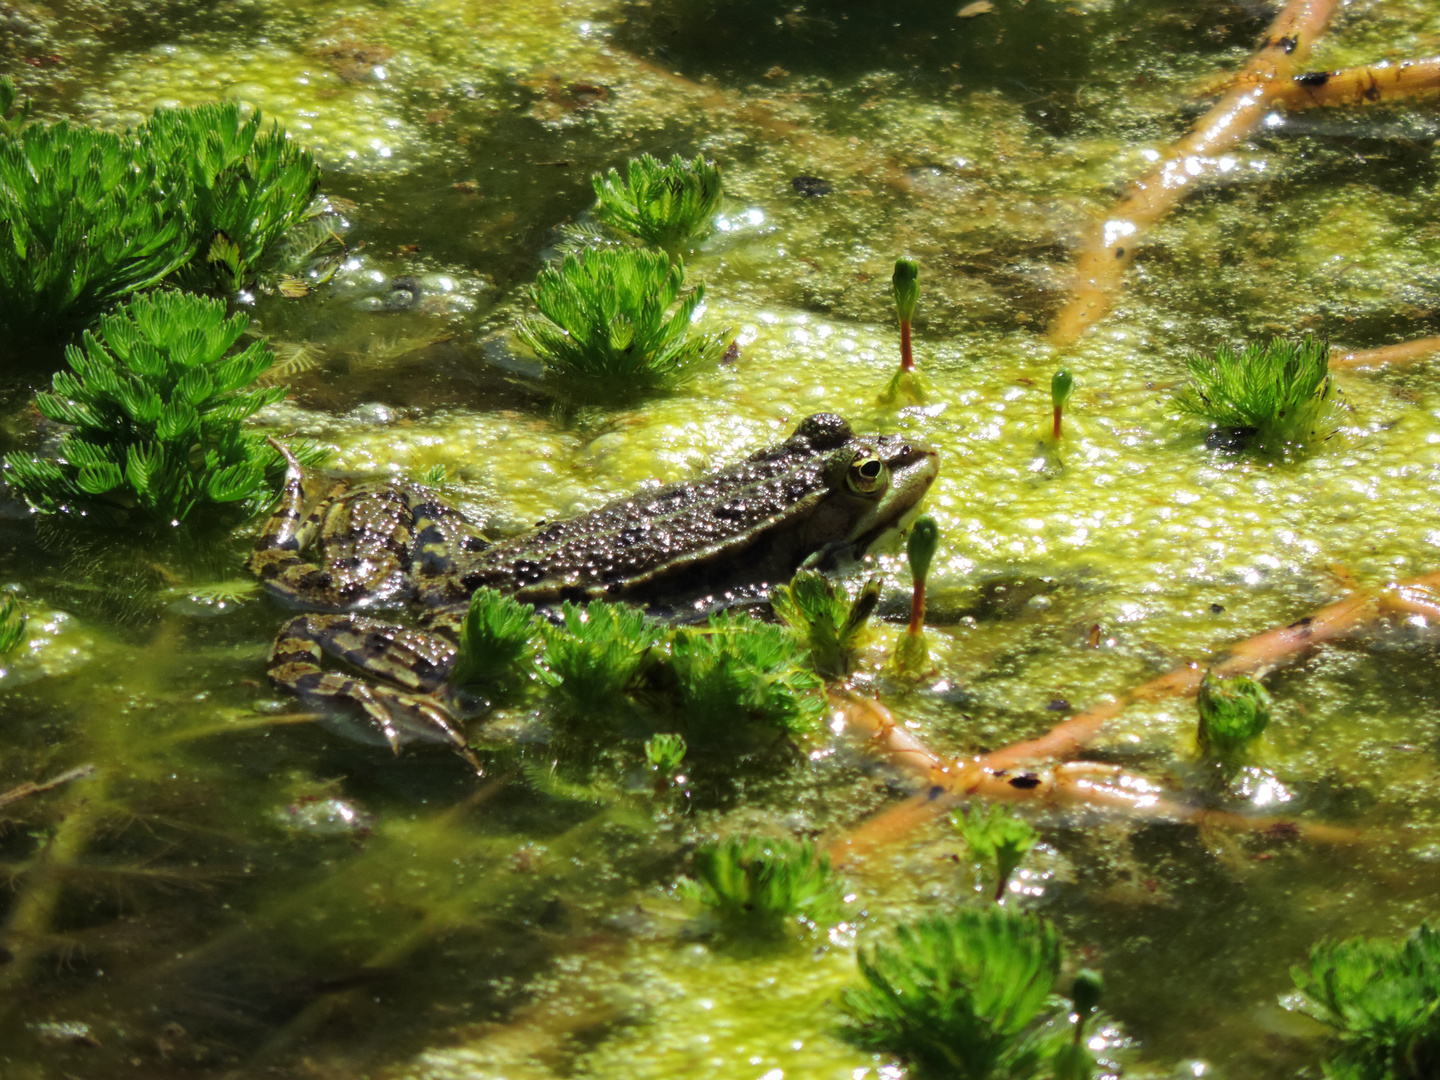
x=912 y=653
x=86 y=219
x=1062 y=385
x=1234 y=712
x=1381 y=999
x=736 y=667
x=247 y=185
x=12 y=119
x=607 y=329
x=665 y=753
x=597 y=652
x=761 y=888
x=156 y=402
x=996 y=838
x=821 y=614
x=1276 y=396
x=905 y=288
x=12 y=616
x=667 y=206
x=1074 y=1060
x=967 y=996
x=498 y=643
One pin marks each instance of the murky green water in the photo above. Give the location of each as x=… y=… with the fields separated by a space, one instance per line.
x=235 y=891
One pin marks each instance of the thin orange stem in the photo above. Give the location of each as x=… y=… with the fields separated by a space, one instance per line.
x=907 y=357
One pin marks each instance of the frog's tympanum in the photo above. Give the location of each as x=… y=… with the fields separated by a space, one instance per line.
x=822 y=491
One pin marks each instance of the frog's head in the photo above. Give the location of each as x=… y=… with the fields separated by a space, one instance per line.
x=873 y=484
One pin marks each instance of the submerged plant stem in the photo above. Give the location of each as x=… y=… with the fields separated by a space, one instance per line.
x=1405 y=352
x=987 y=776
x=1101 y=264
x=24 y=791
x=1093 y=784
x=26 y=932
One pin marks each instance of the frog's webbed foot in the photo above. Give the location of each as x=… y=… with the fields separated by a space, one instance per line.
x=417 y=660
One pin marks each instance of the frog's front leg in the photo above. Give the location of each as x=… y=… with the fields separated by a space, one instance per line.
x=416 y=660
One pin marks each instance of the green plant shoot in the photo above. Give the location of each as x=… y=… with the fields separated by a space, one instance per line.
x=156 y=403
x=762 y=889
x=1381 y=1000
x=665 y=753
x=1233 y=713
x=12 y=617
x=905 y=288
x=969 y=995
x=497 y=647
x=1276 y=395
x=737 y=668
x=597 y=652
x=1062 y=385
x=996 y=838
x=1075 y=1061
x=606 y=329
x=912 y=651
x=822 y=616
x=666 y=206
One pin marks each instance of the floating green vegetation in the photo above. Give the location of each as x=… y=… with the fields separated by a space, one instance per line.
x=1381 y=999
x=737 y=667
x=157 y=405
x=1275 y=396
x=496 y=655
x=666 y=206
x=248 y=187
x=597 y=652
x=12 y=624
x=996 y=838
x=967 y=996
x=820 y=613
x=89 y=218
x=1234 y=712
x=762 y=889
x=607 y=329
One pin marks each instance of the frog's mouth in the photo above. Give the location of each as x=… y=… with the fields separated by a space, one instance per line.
x=913 y=468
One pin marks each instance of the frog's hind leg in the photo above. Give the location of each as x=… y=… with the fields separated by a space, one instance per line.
x=417 y=660
x=277 y=557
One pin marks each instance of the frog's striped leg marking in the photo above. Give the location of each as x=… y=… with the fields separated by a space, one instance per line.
x=415 y=659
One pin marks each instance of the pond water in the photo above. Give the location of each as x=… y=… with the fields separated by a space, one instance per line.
x=234 y=890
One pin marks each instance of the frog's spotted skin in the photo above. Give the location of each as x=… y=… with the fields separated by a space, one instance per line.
x=749 y=524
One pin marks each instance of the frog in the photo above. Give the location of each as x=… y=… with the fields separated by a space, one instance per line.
x=822 y=495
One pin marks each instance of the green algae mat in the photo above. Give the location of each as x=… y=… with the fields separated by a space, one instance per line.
x=203 y=879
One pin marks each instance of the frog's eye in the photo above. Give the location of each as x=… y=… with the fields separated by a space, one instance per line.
x=867 y=476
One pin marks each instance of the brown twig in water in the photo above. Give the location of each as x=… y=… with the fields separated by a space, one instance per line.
x=988 y=776
x=24 y=791
x=1102 y=262
x=1404 y=353
x=1369 y=84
